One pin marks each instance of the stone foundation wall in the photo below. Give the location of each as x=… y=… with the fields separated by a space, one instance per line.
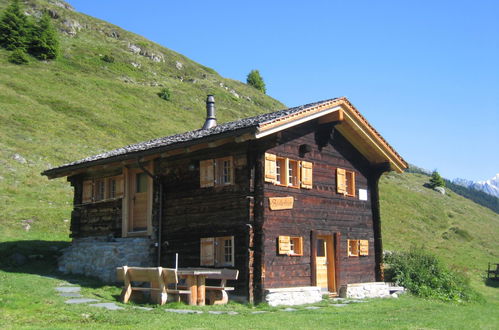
x=365 y=290
x=99 y=256
x=293 y=296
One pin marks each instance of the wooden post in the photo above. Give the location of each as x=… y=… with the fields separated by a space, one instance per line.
x=201 y=290
x=193 y=287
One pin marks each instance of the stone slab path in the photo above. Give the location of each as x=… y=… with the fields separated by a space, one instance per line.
x=73 y=291
x=109 y=306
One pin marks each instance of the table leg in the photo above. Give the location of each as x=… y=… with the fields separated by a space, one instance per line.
x=201 y=290
x=193 y=287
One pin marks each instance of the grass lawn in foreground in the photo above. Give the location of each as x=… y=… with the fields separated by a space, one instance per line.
x=28 y=299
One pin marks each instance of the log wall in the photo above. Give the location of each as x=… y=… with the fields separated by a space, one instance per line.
x=191 y=213
x=103 y=218
x=319 y=209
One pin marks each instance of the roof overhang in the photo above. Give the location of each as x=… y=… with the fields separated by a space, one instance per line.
x=350 y=123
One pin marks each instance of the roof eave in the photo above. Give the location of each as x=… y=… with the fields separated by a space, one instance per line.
x=68 y=170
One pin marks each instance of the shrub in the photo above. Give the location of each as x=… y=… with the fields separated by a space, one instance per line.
x=18 y=56
x=254 y=79
x=107 y=58
x=165 y=94
x=424 y=275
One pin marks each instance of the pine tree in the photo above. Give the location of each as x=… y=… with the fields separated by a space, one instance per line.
x=14 y=27
x=44 y=44
x=254 y=79
x=436 y=180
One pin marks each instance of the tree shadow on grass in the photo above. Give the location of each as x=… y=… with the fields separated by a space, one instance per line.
x=40 y=258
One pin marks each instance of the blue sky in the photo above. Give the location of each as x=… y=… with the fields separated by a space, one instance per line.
x=424 y=73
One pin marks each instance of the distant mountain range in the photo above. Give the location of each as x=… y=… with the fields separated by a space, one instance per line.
x=490 y=187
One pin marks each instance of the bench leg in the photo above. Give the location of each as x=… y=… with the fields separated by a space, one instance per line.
x=217 y=297
x=127 y=289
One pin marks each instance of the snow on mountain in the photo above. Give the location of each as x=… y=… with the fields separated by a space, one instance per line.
x=490 y=187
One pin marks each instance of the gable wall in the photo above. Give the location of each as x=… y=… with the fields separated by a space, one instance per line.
x=319 y=209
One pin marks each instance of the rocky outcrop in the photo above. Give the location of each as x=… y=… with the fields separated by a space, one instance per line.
x=155 y=57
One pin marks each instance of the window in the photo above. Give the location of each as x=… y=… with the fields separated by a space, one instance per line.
x=224 y=171
x=140 y=182
x=288 y=172
x=112 y=188
x=321 y=247
x=216 y=172
x=345 y=182
x=293 y=174
x=102 y=189
x=290 y=245
x=281 y=171
x=217 y=251
x=358 y=247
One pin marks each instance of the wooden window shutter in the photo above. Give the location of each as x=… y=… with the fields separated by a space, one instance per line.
x=364 y=247
x=270 y=168
x=306 y=175
x=119 y=185
x=341 y=184
x=284 y=244
x=87 y=191
x=207 y=251
x=206 y=173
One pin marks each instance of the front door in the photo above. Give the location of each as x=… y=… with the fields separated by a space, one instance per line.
x=138 y=202
x=324 y=263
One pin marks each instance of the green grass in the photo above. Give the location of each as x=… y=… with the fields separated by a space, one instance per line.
x=28 y=300
x=55 y=112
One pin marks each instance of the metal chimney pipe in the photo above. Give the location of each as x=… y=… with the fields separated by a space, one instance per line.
x=211 y=120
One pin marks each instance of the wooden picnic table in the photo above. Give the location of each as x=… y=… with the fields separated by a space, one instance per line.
x=196 y=282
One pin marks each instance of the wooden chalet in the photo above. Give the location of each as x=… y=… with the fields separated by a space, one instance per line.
x=288 y=198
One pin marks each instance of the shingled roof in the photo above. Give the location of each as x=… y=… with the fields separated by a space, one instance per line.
x=238 y=127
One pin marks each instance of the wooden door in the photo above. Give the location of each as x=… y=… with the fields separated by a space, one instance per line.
x=324 y=263
x=138 y=200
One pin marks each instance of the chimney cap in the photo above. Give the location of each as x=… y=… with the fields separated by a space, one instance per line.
x=211 y=119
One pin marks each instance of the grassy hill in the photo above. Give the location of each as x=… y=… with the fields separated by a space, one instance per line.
x=79 y=105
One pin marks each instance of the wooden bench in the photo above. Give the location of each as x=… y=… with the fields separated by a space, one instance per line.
x=493 y=272
x=163 y=281
x=217 y=294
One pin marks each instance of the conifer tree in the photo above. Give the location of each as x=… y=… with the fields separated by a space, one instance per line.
x=254 y=79
x=44 y=44
x=14 y=27
x=436 y=180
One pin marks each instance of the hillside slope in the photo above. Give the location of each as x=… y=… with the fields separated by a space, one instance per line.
x=462 y=233
x=79 y=105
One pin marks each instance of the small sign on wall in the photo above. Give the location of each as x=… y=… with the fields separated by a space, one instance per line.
x=363 y=194
x=281 y=203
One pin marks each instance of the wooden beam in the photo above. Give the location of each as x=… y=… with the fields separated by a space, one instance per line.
x=332 y=117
